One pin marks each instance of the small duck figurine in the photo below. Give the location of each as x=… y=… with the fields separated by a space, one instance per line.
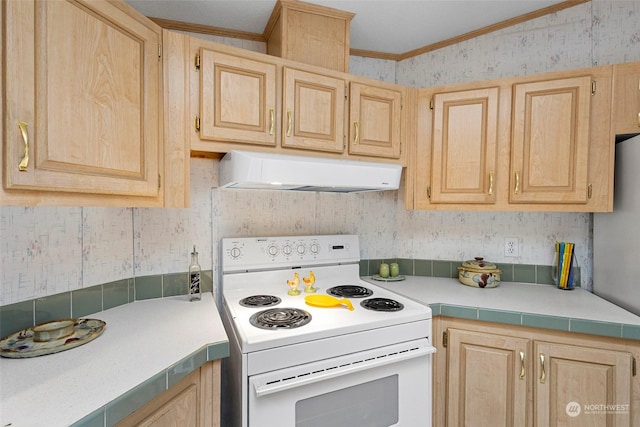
x=293 y=284
x=309 y=281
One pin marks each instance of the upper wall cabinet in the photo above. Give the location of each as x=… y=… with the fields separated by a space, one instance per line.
x=83 y=104
x=237 y=100
x=625 y=114
x=244 y=100
x=533 y=143
x=464 y=147
x=550 y=141
x=375 y=115
x=313 y=111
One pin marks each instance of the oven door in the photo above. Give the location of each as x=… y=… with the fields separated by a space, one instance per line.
x=386 y=386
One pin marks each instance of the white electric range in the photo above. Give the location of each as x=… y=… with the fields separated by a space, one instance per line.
x=292 y=363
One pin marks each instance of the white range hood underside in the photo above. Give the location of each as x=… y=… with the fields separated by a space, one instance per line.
x=267 y=171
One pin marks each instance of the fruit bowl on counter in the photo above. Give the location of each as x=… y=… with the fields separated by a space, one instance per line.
x=479 y=273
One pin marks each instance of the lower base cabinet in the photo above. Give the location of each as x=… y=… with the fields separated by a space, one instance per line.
x=487 y=374
x=193 y=402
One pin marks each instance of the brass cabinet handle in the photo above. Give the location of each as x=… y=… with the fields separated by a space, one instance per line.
x=543 y=374
x=288 y=122
x=272 y=116
x=357 y=137
x=522 y=365
x=517 y=187
x=491 y=183
x=24 y=163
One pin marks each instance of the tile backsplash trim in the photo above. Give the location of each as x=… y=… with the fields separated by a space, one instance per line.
x=82 y=302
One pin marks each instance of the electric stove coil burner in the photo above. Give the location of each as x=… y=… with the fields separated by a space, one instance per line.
x=381 y=304
x=350 y=291
x=280 y=318
x=260 y=301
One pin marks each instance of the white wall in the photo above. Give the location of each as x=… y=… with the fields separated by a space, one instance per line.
x=44 y=251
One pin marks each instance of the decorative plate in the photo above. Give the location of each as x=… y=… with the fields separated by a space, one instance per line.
x=21 y=345
x=388 y=279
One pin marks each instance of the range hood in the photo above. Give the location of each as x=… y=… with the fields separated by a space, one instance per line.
x=267 y=171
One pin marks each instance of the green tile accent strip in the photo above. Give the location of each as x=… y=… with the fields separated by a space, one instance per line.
x=206 y=283
x=406 y=266
x=596 y=328
x=435 y=309
x=148 y=287
x=442 y=269
x=14 y=317
x=116 y=293
x=423 y=267
x=218 y=351
x=631 y=332
x=524 y=273
x=364 y=267
x=94 y=419
x=176 y=284
x=543 y=274
x=507 y=272
x=459 y=311
x=86 y=301
x=186 y=366
x=53 y=307
x=545 y=322
x=134 y=399
x=500 y=316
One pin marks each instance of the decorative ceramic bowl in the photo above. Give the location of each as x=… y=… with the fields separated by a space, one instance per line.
x=54 y=330
x=479 y=273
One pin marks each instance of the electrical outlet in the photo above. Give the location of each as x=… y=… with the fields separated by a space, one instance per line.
x=511 y=247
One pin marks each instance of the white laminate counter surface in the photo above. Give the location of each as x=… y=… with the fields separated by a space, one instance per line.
x=543 y=300
x=141 y=339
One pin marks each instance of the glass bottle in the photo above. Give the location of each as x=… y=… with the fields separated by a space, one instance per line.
x=194 y=277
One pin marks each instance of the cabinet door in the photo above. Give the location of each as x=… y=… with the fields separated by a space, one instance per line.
x=575 y=384
x=237 y=99
x=464 y=146
x=486 y=380
x=313 y=111
x=625 y=118
x=375 y=121
x=550 y=141
x=83 y=99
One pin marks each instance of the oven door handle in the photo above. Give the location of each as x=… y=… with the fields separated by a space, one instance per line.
x=333 y=372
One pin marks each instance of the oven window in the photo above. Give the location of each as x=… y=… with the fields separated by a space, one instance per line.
x=371 y=404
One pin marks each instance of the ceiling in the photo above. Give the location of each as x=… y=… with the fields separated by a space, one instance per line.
x=394 y=27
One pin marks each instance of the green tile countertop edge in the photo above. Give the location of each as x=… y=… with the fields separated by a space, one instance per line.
x=558 y=323
x=121 y=407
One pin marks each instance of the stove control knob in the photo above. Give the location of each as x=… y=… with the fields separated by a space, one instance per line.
x=286 y=249
x=272 y=250
x=235 y=252
x=300 y=249
x=314 y=248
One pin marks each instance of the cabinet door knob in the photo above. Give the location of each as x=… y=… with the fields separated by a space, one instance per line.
x=522 y=365
x=289 y=122
x=543 y=374
x=24 y=163
x=516 y=189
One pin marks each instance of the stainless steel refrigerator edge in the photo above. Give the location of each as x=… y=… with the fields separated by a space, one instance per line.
x=616 y=236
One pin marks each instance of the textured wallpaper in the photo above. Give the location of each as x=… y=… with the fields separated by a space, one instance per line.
x=44 y=251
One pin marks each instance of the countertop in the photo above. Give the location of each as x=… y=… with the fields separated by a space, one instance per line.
x=521 y=303
x=141 y=340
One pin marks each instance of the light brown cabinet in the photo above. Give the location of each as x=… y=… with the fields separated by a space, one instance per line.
x=625 y=112
x=313 y=111
x=533 y=143
x=492 y=374
x=237 y=99
x=250 y=101
x=84 y=104
x=485 y=368
x=550 y=141
x=192 y=402
x=375 y=121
